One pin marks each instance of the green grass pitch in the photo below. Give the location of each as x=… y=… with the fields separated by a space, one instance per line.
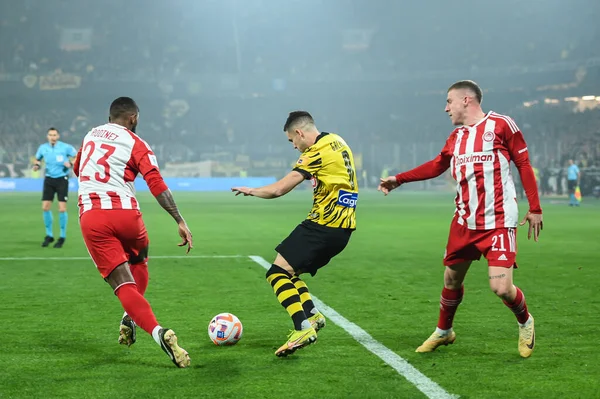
x=60 y=320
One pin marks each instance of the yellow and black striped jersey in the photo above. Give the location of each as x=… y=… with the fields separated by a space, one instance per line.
x=329 y=164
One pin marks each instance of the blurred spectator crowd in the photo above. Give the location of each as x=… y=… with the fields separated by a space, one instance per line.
x=256 y=143
x=389 y=129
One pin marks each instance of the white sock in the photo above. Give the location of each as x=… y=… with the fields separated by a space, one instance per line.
x=305 y=324
x=443 y=333
x=155 y=334
x=314 y=311
x=527 y=323
x=124 y=314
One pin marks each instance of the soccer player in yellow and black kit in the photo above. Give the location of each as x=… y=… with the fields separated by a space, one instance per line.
x=327 y=161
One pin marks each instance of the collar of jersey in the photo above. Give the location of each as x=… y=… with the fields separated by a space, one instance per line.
x=320 y=136
x=478 y=123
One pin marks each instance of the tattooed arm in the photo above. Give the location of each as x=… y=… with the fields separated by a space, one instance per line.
x=166 y=200
x=144 y=160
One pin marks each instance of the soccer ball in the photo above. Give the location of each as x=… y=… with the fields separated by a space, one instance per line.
x=225 y=329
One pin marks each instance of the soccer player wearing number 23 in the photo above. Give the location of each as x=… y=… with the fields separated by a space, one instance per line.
x=327 y=161
x=478 y=153
x=109 y=160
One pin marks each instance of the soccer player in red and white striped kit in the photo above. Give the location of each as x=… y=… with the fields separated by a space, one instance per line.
x=478 y=153
x=110 y=158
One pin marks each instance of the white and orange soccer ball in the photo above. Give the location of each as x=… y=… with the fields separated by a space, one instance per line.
x=225 y=329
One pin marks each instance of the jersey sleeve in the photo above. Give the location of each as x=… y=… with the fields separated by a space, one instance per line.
x=517 y=149
x=71 y=151
x=428 y=170
x=144 y=161
x=39 y=155
x=308 y=164
x=77 y=161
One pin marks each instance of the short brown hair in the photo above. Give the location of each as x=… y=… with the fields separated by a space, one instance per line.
x=298 y=118
x=469 y=85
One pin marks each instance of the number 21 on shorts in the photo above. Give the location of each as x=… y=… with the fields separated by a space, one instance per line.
x=504 y=239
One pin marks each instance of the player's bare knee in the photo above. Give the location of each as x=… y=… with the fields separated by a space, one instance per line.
x=46 y=205
x=452 y=283
x=452 y=280
x=119 y=276
x=501 y=282
x=283 y=264
x=62 y=206
x=454 y=275
x=503 y=289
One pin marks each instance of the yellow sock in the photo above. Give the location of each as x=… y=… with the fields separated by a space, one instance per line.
x=288 y=296
x=307 y=302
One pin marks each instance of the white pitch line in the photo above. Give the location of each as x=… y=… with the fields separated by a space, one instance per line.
x=150 y=257
x=430 y=388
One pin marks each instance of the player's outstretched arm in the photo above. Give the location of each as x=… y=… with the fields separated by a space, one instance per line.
x=388 y=184
x=166 y=200
x=275 y=190
x=426 y=171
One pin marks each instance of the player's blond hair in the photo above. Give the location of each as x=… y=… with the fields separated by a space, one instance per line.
x=468 y=85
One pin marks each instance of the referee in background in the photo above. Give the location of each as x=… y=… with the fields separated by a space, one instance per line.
x=57 y=156
x=573 y=178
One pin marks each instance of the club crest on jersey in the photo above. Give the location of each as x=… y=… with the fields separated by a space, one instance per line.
x=489 y=136
x=347 y=199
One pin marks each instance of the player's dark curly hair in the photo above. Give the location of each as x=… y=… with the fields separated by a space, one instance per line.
x=123 y=106
x=297 y=118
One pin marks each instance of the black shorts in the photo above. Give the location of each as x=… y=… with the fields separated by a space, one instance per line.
x=311 y=246
x=58 y=186
x=572 y=185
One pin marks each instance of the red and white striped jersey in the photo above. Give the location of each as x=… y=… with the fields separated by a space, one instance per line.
x=479 y=159
x=480 y=163
x=107 y=164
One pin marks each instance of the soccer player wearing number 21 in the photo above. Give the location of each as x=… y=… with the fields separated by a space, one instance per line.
x=109 y=160
x=478 y=153
x=327 y=161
